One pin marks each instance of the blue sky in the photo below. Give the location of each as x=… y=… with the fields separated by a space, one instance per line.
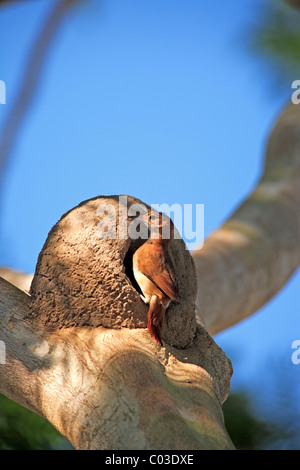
x=156 y=99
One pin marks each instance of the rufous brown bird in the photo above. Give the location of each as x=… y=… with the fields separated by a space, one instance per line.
x=154 y=272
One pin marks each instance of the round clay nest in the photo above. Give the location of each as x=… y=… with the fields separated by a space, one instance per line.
x=82 y=279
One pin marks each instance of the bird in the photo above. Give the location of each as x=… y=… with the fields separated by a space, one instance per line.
x=154 y=272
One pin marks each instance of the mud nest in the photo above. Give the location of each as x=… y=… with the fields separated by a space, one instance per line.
x=85 y=279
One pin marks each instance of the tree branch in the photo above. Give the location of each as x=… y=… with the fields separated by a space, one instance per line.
x=247 y=261
x=17 y=278
x=30 y=81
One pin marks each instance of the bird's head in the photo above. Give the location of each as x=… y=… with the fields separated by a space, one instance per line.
x=160 y=225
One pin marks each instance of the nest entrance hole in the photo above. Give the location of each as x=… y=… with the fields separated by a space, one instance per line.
x=128 y=263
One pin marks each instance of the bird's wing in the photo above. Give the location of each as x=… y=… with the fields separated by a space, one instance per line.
x=165 y=283
x=158 y=268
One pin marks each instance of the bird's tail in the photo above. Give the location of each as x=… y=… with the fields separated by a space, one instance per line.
x=156 y=315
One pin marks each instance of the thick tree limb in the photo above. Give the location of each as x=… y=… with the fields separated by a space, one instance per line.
x=114 y=389
x=248 y=260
